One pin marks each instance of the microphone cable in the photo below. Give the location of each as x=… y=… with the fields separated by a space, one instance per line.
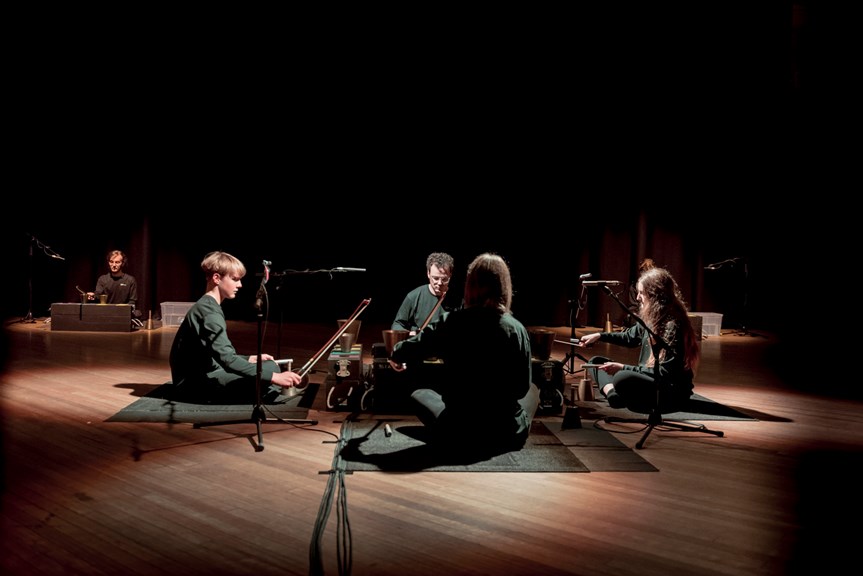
x=335 y=486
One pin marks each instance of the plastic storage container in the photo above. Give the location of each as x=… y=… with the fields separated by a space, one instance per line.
x=174 y=312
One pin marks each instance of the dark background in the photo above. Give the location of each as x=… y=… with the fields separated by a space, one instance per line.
x=568 y=142
x=547 y=248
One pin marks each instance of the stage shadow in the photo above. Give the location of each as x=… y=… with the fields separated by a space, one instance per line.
x=416 y=458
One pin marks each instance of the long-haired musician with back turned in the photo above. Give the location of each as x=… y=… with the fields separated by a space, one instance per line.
x=486 y=399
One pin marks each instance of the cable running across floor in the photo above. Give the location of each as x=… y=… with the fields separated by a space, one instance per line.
x=335 y=486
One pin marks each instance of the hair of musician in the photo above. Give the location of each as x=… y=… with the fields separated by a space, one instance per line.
x=665 y=311
x=440 y=259
x=488 y=283
x=223 y=264
x=119 y=253
x=646 y=264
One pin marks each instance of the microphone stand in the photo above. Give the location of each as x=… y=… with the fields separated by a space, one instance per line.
x=258 y=416
x=654 y=418
x=745 y=309
x=258 y=410
x=573 y=318
x=28 y=319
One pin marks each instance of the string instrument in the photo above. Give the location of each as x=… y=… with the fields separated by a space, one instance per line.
x=429 y=317
x=307 y=367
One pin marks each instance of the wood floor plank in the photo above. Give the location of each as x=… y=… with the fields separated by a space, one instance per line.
x=86 y=496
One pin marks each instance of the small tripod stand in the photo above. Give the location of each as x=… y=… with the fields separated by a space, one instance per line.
x=654 y=418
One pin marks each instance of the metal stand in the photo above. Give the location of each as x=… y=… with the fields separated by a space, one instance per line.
x=743 y=315
x=745 y=309
x=47 y=250
x=258 y=417
x=654 y=419
x=573 y=317
x=28 y=319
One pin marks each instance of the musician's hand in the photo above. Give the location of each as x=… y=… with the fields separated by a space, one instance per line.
x=287 y=379
x=611 y=368
x=91 y=295
x=254 y=358
x=590 y=339
x=396 y=366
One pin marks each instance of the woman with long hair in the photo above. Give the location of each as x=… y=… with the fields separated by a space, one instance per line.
x=676 y=355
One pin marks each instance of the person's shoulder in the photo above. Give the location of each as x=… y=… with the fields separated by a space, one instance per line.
x=509 y=319
x=205 y=308
x=484 y=314
x=206 y=302
x=417 y=292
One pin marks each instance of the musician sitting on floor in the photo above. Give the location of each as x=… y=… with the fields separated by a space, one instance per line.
x=423 y=304
x=204 y=363
x=486 y=400
x=664 y=312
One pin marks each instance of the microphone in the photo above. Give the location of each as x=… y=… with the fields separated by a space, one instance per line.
x=57 y=257
x=262 y=291
x=585 y=276
x=601 y=282
x=340 y=269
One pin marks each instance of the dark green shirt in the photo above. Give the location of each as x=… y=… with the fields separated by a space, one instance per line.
x=487 y=363
x=202 y=350
x=415 y=308
x=671 y=369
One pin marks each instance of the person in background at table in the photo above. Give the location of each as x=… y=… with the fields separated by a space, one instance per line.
x=119 y=286
x=663 y=310
x=204 y=363
x=419 y=302
x=486 y=399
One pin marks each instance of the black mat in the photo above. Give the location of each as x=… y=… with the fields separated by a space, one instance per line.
x=698 y=408
x=369 y=449
x=595 y=450
x=599 y=450
x=161 y=405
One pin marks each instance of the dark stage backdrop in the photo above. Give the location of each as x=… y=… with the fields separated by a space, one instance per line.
x=626 y=134
x=560 y=153
x=548 y=247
